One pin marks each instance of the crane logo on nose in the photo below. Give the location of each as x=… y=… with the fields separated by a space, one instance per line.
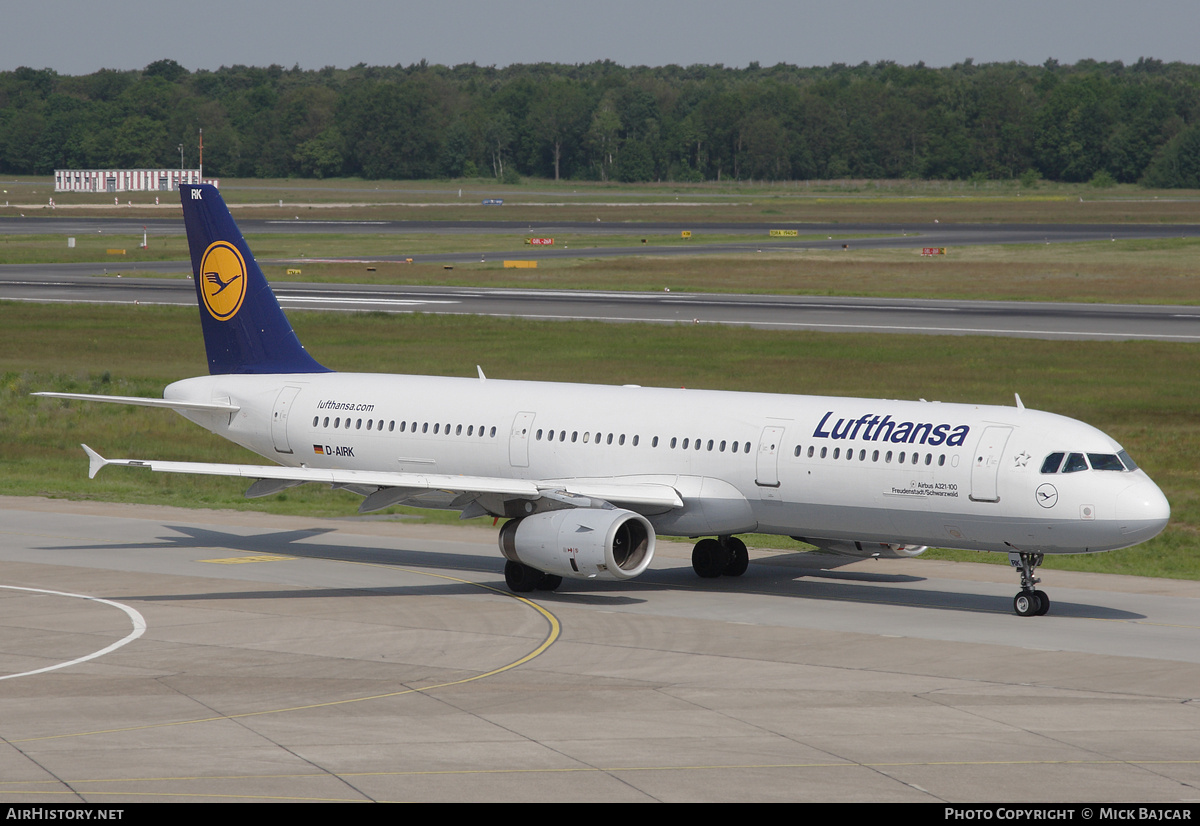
x=1046 y=495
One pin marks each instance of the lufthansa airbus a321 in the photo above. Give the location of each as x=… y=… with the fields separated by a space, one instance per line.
x=588 y=475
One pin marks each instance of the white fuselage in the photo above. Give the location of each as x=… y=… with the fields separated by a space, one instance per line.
x=835 y=469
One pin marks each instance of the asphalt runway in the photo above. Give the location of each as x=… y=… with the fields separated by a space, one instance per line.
x=239 y=656
x=889 y=234
x=86 y=282
x=829 y=314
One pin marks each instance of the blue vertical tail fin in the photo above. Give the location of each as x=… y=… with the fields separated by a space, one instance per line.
x=245 y=330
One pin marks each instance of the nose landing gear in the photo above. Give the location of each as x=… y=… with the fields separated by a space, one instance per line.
x=1030 y=602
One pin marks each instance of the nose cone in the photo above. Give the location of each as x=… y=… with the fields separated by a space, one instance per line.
x=1143 y=511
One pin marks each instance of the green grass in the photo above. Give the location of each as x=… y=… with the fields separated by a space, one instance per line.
x=52 y=249
x=1142 y=393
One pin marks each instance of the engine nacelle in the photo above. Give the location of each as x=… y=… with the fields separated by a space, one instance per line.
x=866 y=550
x=581 y=543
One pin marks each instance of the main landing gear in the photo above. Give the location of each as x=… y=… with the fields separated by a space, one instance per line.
x=724 y=556
x=1029 y=602
x=521 y=579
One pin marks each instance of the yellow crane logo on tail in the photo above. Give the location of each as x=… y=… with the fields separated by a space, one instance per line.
x=222 y=280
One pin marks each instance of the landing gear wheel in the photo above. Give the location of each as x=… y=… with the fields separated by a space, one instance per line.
x=521 y=579
x=1030 y=602
x=709 y=559
x=1027 y=604
x=549 y=582
x=739 y=559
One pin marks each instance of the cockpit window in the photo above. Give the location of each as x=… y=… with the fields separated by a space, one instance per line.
x=1096 y=461
x=1105 y=461
x=1052 y=463
x=1075 y=462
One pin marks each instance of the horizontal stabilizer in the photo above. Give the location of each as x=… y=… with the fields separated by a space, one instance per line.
x=141 y=401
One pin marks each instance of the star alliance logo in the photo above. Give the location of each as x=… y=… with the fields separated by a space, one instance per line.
x=222 y=280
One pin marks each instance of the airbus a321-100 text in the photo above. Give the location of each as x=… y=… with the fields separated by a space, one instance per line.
x=588 y=475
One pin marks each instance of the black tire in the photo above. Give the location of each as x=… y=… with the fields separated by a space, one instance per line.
x=521 y=579
x=1044 y=601
x=709 y=559
x=1027 y=604
x=549 y=582
x=739 y=557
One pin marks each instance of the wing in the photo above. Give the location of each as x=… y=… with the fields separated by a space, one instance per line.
x=473 y=495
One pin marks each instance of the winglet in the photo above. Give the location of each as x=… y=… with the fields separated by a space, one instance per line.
x=95 y=462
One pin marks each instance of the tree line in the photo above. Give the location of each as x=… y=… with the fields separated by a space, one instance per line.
x=1090 y=121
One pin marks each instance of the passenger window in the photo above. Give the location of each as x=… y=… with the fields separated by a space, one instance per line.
x=810 y=451
x=1053 y=463
x=824 y=450
x=1075 y=463
x=797 y=451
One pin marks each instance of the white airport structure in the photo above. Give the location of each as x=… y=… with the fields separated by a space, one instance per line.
x=127 y=180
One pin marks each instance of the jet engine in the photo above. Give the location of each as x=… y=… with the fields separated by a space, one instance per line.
x=865 y=550
x=581 y=543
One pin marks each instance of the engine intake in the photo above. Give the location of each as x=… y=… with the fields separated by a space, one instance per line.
x=581 y=543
